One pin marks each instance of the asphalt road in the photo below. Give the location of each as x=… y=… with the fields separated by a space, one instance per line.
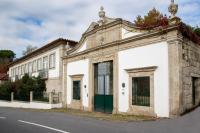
x=25 y=121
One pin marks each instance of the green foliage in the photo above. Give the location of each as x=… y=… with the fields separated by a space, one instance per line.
x=5 y=90
x=7 y=54
x=153 y=19
x=22 y=87
x=197 y=31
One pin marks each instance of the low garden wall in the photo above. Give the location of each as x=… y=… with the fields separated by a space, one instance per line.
x=31 y=105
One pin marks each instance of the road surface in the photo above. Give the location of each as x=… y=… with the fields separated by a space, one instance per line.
x=27 y=121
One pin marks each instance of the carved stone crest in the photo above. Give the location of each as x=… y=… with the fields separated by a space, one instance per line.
x=173 y=8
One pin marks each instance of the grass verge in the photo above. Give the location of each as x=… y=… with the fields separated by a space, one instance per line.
x=100 y=116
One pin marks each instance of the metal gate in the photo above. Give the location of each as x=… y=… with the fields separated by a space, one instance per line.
x=103 y=84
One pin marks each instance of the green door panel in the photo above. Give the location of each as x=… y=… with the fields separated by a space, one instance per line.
x=108 y=103
x=99 y=103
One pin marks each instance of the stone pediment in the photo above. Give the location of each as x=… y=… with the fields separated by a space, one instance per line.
x=105 y=30
x=102 y=21
x=91 y=27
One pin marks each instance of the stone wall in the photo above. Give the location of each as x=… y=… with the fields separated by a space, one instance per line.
x=54 y=84
x=104 y=36
x=190 y=68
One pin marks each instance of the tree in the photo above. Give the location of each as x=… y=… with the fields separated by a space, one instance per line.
x=6 y=56
x=5 y=90
x=197 y=31
x=29 y=49
x=152 y=20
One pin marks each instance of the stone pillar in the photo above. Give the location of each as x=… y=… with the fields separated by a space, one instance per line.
x=31 y=96
x=50 y=97
x=175 y=78
x=12 y=96
x=64 y=84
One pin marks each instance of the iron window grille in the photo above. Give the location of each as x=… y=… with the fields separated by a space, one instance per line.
x=141 y=91
x=76 y=90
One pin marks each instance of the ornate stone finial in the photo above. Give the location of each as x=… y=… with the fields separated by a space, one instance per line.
x=173 y=8
x=102 y=15
x=102 y=12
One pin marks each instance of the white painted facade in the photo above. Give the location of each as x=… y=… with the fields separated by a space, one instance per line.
x=146 y=56
x=77 y=68
x=127 y=34
x=83 y=47
x=52 y=72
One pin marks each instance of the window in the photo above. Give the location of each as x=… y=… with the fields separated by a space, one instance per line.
x=141 y=91
x=52 y=61
x=194 y=86
x=45 y=62
x=34 y=65
x=26 y=68
x=30 y=67
x=76 y=90
x=19 y=70
x=23 y=69
x=16 y=71
x=12 y=73
x=39 y=64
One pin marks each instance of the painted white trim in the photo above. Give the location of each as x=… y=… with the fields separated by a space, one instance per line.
x=31 y=105
x=39 y=125
x=2 y=117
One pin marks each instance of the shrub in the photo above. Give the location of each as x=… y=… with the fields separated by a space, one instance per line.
x=5 y=90
x=152 y=20
x=197 y=31
x=22 y=87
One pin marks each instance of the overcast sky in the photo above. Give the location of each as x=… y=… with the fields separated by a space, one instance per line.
x=37 y=22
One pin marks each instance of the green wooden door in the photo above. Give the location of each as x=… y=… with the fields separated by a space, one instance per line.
x=103 y=97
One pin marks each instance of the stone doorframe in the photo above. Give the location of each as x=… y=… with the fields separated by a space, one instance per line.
x=99 y=59
x=142 y=72
x=76 y=104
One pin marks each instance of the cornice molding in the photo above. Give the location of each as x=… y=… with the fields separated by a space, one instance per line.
x=123 y=41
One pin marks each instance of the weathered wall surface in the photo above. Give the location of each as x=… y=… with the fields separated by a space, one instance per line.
x=54 y=84
x=191 y=68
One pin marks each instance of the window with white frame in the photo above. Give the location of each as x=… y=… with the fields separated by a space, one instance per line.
x=30 y=67
x=23 y=69
x=34 y=65
x=52 y=61
x=12 y=73
x=26 y=68
x=39 y=64
x=19 y=70
x=16 y=71
x=45 y=62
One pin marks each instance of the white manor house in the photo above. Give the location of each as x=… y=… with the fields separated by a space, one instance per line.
x=117 y=68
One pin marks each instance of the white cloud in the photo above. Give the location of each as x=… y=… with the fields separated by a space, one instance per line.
x=37 y=22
